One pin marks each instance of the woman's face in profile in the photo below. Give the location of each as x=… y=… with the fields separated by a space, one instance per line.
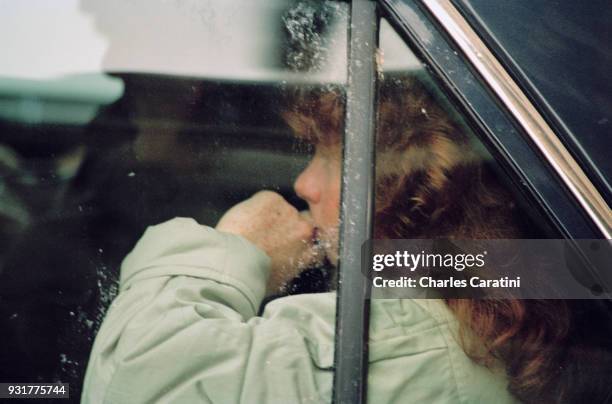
x=319 y=186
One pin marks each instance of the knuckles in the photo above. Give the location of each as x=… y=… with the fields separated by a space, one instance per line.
x=282 y=214
x=268 y=196
x=275 y=203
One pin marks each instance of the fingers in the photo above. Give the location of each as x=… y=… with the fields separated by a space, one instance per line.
x=269 y=197
x=271 y=223
x=306 y=230
x=305 y=214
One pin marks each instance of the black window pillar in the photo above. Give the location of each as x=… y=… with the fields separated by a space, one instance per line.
x=351 y=355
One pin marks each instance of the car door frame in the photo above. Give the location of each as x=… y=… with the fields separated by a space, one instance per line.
x=513 y=130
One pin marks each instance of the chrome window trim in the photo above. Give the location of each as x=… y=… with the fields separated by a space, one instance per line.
x=517 y=103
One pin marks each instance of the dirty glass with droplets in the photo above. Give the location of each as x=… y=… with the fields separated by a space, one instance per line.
x=117 y=115
x=437 y=179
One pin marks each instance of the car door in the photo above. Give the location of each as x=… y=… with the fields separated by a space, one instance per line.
x=115 y=116
x=466 y=50
x=91 y=161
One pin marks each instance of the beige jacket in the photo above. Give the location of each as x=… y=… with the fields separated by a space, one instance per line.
x=184 y=330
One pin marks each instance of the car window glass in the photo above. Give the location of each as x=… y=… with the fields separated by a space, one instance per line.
x=118 y=115
x=561 y=53
x=435 y=178
x=406 y=137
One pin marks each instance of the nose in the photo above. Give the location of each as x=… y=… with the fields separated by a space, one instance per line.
x=307 y=187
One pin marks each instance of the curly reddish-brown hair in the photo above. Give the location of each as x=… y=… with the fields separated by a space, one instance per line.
x=432 y=183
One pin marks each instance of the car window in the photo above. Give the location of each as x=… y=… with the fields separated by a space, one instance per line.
x=560 y=52
x=435 y=179
x=406 y=86
x=115 y=116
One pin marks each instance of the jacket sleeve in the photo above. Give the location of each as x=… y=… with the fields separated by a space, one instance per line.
x=184 y=328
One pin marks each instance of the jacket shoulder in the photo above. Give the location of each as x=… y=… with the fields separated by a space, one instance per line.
x=414 y=345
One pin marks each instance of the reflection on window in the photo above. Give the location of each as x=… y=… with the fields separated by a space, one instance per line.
x=436 y=179
x=183 y=117
x=429 y=160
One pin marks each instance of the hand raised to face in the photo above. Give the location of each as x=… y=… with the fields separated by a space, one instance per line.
x=275 y=226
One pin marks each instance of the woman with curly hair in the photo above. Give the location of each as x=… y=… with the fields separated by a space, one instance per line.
x=185 y=328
